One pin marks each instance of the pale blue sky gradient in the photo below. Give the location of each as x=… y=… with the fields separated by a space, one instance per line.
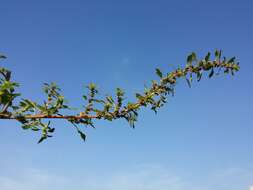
x=201 y=140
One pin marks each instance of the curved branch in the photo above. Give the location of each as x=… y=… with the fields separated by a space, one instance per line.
x=30 y=113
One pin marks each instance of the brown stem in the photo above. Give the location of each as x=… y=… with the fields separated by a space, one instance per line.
x=40 y=116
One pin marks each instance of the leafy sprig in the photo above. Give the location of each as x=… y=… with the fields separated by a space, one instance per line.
x=31 y=114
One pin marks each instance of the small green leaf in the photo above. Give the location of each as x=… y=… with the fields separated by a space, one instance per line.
x=51 y=130
x=154 y=109
x=217 y=53
x=231 y=60
x=226 y=70
x=189 y=59
x=82 y=135
x=207 y=58
x=119 y=92
x=188 y=82
x=25 y=127
x=42 y=139
x=2 y=56
x=199 y=75
x=138 y=96
x=92 y=86
x=159 y=73
x=211 y=73
x=192 y=57
x=110 y=99
x=35 y=129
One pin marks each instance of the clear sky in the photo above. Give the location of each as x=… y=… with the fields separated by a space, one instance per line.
x=201 y=140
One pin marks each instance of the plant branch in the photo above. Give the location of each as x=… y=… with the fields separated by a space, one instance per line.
x=30 y=113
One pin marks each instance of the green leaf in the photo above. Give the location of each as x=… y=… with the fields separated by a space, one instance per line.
x=154 y=109
x=211 y=73
x=226 y=70
x=51 y=130
x=132 y=118
x=231 y=60
x=8 y=85
x=192 y=57
x=119 y=92
x=84 y=97
x=82 y=135
x=188 y=82
x=2 y=56
x=159 y=73
x=92 y=86
x=189 y=59
x=110 y=99
x=25 y=127
x=216 y=53
x=30 y=103
x=139 y=96
x=42 y=139
x=35 y=129
x=41 y=108
x=199 y=75
x=207 y=58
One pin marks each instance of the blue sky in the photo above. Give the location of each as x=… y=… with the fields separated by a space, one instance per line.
x=201 y=140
